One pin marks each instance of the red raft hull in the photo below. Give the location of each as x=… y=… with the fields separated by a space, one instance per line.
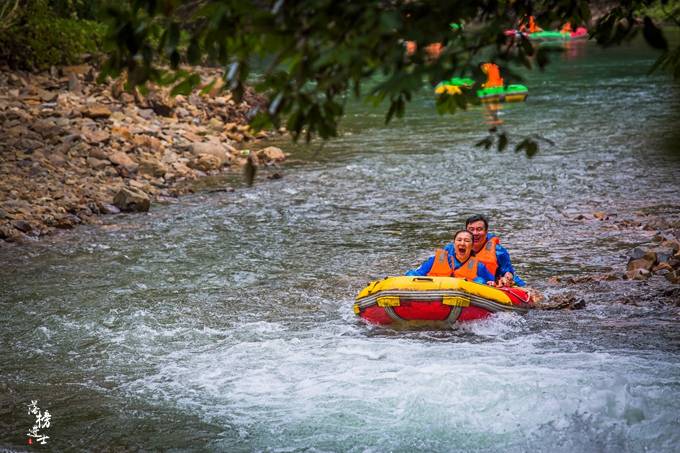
x=464 y=301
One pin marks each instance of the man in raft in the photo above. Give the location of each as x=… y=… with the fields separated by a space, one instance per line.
x=456 y=260
x=487 y=250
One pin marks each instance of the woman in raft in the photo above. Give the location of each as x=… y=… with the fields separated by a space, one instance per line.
x=456 y=260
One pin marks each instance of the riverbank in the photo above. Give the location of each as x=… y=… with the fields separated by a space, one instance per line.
x=72 y=150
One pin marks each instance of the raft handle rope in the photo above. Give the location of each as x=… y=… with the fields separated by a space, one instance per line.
x=392 y=298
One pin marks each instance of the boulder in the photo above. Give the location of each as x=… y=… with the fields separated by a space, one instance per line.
x=129 y=199
x=271 y=154
x=216 y=149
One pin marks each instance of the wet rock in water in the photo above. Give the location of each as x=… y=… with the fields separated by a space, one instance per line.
x=600 y=215
x=275 y=175
x=562 y=302
x=132 y=200
x=637 y=274
x=271 y=154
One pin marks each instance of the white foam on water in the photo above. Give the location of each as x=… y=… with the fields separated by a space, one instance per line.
x=376 y=392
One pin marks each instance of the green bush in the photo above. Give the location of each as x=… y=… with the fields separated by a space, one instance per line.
x=40 y=39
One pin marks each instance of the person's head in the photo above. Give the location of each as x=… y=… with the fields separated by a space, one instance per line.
x=462 y=244
x=478 y=225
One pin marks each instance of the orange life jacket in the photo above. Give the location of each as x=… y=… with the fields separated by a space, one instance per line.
x=533 y=28
x=493 y=75
x=487 y=255
x=442 y=268
x=566 y=28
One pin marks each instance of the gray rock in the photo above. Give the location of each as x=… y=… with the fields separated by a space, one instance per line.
x=106 y=208
x=637 y=253
x=129 y=199
x=22 y=226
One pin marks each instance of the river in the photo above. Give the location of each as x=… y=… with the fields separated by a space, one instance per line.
x=224 y=322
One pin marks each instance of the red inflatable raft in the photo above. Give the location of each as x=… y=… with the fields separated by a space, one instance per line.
x=448 y=299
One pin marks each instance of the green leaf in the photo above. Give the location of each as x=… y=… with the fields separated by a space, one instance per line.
x=653 y=35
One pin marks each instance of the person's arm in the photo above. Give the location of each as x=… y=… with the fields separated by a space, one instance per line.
x=505 y=266
x=483 y=275
x=423 y=270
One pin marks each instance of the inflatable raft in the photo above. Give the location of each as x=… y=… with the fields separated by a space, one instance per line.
x=551 y=35
x=447 y=299
x=509 y=93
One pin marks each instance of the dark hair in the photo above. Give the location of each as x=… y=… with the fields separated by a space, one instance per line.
x=477 y=218
x=455 y=235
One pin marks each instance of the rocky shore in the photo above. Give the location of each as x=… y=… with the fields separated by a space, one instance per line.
x=72 y=149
